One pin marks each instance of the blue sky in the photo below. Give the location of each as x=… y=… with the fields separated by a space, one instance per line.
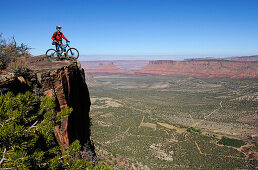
x=158 y=29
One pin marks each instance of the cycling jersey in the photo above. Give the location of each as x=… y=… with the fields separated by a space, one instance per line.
x=58 y=36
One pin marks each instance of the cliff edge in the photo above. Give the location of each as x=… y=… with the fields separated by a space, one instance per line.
x=65 y=81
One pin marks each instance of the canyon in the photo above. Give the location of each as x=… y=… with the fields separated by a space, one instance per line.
x=202 y=69
x=210 y=69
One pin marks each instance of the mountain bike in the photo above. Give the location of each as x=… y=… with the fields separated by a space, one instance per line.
x=61 y=53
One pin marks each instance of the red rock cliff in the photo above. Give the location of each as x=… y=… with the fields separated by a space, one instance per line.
x=66 y=82
x=203 y=69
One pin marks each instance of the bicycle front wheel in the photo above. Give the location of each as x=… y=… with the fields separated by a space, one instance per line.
x=51 y=54
x=72 y=53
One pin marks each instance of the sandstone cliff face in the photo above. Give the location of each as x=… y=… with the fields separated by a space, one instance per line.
x=66 y=82
x=68 y=86
x=202 y=69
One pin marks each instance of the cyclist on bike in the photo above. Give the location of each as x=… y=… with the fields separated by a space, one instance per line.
x=57 y=38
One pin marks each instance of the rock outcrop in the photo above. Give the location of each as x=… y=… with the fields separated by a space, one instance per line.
x=66 y=82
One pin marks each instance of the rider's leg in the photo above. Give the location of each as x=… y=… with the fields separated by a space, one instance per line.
x=58 y=46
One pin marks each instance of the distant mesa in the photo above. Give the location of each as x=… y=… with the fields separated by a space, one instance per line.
x=230 y=67
x=106 y=69
x=202 y=69
x=244 y=58
x=91 y=65
x=241 y=58
x=122 y=64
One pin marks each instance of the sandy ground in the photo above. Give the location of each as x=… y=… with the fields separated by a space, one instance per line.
x=108 y=102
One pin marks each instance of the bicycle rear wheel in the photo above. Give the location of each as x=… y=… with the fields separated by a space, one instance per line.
x=72 y=53
x=51 y=54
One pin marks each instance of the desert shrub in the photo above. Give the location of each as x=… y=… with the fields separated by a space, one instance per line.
x=231 y=142
x=26 y=135
x=12 y=52
x=17 y=66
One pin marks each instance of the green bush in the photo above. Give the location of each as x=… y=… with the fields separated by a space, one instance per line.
x=26 y=135
x=231 y=142
x=191 y=129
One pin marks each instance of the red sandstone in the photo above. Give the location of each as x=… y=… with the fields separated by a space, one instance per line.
x=203 y=69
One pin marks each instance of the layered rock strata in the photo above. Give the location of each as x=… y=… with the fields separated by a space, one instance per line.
x=202 y=69
x=66 y=82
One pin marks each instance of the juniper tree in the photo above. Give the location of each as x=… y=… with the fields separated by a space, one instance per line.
x=26 y=135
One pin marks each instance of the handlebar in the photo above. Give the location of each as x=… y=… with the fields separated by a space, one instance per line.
x=59 y=43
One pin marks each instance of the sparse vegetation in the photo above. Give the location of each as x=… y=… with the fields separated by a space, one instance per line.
x=12 y=55
x=208 y=106
x=26 y=135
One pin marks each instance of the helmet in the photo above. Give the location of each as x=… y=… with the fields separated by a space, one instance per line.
x=58 y=27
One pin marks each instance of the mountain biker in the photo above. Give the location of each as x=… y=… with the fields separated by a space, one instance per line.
x=57 y=38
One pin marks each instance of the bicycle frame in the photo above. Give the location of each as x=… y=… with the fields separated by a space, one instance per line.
x=63 y=47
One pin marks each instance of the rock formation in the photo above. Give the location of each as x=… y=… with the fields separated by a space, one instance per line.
x=232 y=68
x=202 y=69
x=66 y=82
x=92 y=65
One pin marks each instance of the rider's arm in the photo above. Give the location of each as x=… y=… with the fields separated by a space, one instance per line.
x=64 y=37
x=54 y=35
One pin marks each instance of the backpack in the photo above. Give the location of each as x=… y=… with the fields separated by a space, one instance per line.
x=56 y=35
x=55 y=43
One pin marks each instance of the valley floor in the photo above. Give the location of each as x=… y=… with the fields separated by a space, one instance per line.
x=175 y=123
